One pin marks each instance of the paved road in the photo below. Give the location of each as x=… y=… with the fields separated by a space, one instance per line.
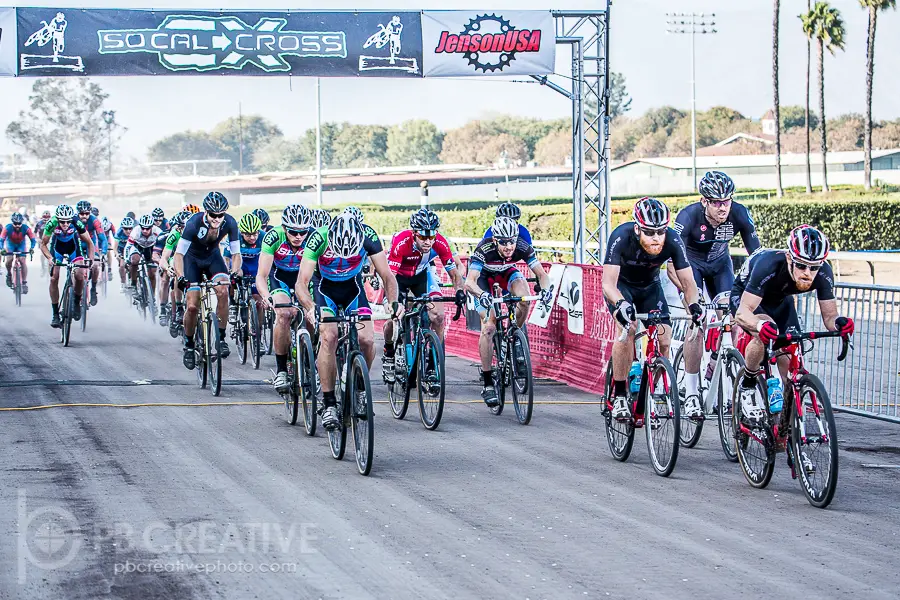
x=231 y=502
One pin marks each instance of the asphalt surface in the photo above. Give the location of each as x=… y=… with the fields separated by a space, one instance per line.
x=232 y=502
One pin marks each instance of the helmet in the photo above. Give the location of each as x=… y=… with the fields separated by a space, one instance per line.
x=95 y=211
x=320 y=218
x=131 y=214
x=158 y=213
x=295 y=216
x=180 y=218
x=215 y=202
x=64 y=212
x=424 y=220
x=127 y=223
x=650 y=212
x=505 y=227
x=146 y=221
x=191 y=208
x=346 y=235
x=262 y=214
x=83 y=206
x=46 y=214
x=716 y=185
x=356 y=213
x=17 y=218
x=508 y=209
x=249 y=224
x=106 y=224
x=807 y=244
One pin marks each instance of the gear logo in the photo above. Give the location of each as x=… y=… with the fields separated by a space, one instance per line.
x=489 y=42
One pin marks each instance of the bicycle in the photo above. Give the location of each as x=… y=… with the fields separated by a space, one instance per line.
x=241 y=329
x=67 y=306
x=267 y=332
x=656 y=397
x=85 y=302
x=206 y=339
x=17 y=274
x=806 y=421
x=143 y=293
x=301 y=373
x=104 y=275
x=419 y=361
x=723 y=366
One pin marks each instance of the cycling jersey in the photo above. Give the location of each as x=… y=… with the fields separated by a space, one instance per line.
x=249 y=256
x=487 y=259
x=286 y=257
x=40 y=225
x=137 y=237
x=64 y=241
x=334 y=267
x=707 y=243
x=524 y=234
x=197 y=242
x=164 y=226
x=172 y=240
x=121 y=241
x=160 y=244
x=406 y=260
x=14 y=240
x=637 y=267
x=95 y=229
x=765 y=274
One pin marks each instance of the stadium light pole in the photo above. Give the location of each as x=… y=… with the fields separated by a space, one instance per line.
x=109 y=117
x=687 y=23
x=319 y=141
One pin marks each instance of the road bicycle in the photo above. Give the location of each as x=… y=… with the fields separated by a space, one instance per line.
x=144 y=297
x=805 y=427
x=17 y=279
x=301 y=373
x=67 y=306
x=241 y=328
x=208 y=363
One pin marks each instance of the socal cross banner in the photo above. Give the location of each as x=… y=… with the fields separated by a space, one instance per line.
x=7 y=41
x=459 y=43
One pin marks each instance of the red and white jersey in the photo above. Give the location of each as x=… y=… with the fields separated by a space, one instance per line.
x=406 y=259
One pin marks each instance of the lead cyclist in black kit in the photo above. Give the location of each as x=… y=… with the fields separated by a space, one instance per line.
x=706 y=227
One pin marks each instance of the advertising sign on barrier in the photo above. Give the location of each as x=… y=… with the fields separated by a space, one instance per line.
x=7 y=41
x=142 y=42
x=464 y=42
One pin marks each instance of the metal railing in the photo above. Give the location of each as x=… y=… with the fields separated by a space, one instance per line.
x=868 y=382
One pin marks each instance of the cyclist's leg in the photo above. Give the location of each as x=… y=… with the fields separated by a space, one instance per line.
x=280 y=285
x=328 y=332
x=356 y=299
x=405 y=285
x=193 y=272
x=54 y=280
x=218 y=272
x=519 y=287
x=693 y=348
x=488 y=329
x=133 y=257
x=622 y=352
x=653 y=298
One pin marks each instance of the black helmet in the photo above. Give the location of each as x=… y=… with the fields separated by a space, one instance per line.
x=215 y=202
x=716 y=185
x=262 y=214
x=807 y=244
x=158 y=213
x=508 y=209
x=425 y=220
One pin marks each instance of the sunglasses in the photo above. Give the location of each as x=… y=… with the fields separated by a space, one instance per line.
x=146 y=228
x=85 y=214
x=215 y=215
x=295 y=232
x=127 y=228
x=653 y=232
x=506 y=241
x=64 y=221
x=803 y=267
x=424 y=237
x=719 y=203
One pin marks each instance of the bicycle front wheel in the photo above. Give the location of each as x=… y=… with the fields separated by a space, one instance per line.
x=754 y=443
x=362 y=416
x=292 y=397
x=521 y=380
x=337 y=438
x=398 y=390
x=306 y=362
x=255 y=334
x=84 y=307
x=268 y=331
x=499 y=369
x=67 y=308
x=430 y=379
x=241 y=335
x=690 y=431
x=17 y=281
x=662 y=416
x=200 y=342
x=619 y=434
x=213 y=359
x=814 y=443
x=732 y=369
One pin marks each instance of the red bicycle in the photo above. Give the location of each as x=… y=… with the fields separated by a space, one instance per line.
x=656 y=401
x=805 y=427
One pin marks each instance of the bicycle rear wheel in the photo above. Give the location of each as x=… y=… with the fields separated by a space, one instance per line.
x=522 y=383
x=362 y=417
x=292 y=397
x=306 y=362
x=67 y=308
x=817 y=450
x=619 y=434
x=732 y=367
x=754 y=444
x=499 y=369
x=200 y=342
x=255 y=334
x=689 y=433
x=212 y=355
x=662 y=416
x=430 y=379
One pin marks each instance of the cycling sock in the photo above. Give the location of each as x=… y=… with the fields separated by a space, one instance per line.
x=389 y=350
x=77 y=300
x=221 y=333
x=691 y=384
x=488 y=377
x=189 y=342
x=618 y=388
x=281 y=362
x=749 y=380
x=328 y=399
x=55 y=309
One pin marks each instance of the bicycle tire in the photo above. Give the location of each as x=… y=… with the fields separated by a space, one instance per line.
x=431 y=406
x=362 y=416
x=269 y=331
x=254 y=334
x=292 y=397
x=200 y=351
x=619 y=434
x=819 y=496
x=151 y=304
x=66 y=310
x=398 y=391
x=757 y=467
x=690 y=430
x=84 y=307
x=306 y=361
x=497 y=369
x=732 y=367
x=17 y=280
x=521 y=378
x=104 y=280
x=241 y=333
x=142 y=296
x=337 y=438
x=213 y=358
x=663 y=452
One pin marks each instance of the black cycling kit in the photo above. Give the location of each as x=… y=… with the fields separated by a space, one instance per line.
x=201 y=251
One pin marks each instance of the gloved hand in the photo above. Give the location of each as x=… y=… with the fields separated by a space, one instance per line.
x=460 y=296
x=395 y=309
x=624 y=313
x=545 y=297
x=485 y=300
x=767 y=331
x=182 y=283
x=845 y=325
x=697 y=314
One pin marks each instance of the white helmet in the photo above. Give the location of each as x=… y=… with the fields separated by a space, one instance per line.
x=505 y=228
x=64 y=212
x=346 y=235
x=295 y=216
x=146 y=221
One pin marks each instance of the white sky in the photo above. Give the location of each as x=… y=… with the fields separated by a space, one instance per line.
x=733 y=69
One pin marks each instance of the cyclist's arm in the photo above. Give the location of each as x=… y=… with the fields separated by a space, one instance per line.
x=379 y=261
x=266 y=261
x=611 y=283
x=307 y=269
x=748 y=233
x=745 y=316
x=673 y=277
x=45 y=247
x=538 y=269
x=456 y=277
x=688 y=285
x=86 y=238
x=829 y=313
x=234 y=244
x=33 y=239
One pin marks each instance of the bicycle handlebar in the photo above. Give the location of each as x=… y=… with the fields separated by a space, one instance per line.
x=432 y=299
x=514 y=299
x=790 y=338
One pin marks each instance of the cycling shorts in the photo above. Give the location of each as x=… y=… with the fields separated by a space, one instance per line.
x=282 y=281
x=20 y=247
x=784 y=314
x=419 y=284
x=147 y=253
x=718 y=276
x=70 y=249
x=332 y=296
x=644 y=299
x=73 y=257
x=504 y=279
x=195 y=268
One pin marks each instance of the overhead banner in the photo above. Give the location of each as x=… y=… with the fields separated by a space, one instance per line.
x=460 y=42
x=142 y=42
x=7 y=41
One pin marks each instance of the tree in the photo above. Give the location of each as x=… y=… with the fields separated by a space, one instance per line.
x=554 y=150
x=808 y=123
x=329 y=131
x=281 y=154
x=530 y=130
x=825 y=24
x=795 y=116
x=240 y=138
x=414 y=142
x=503 y=149
x=186 y=145
x=64 y=128
x=461 y=144
x=619 y=100
x=361 y=146
x=873 y=6
x=886 y=134
x=778 y=188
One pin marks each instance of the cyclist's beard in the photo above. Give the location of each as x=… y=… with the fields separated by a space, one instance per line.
x=802 y=284
x=652 y=248
x=713 y=216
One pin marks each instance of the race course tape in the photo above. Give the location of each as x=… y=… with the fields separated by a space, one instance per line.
x=243 y=403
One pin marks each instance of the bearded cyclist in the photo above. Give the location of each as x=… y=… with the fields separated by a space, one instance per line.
x=339 y=252
x=635 y=252
x=65 y=236
x=12 y=240
x=98 y=237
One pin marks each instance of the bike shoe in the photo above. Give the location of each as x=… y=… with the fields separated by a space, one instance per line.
x=489 y=395
x=93 y=296
x=24 y=288
x=387 y=369
x=281 y=383
x=753 y=413
x=330 y=419
x=692 y=408
x=77 y=315
x=189 y=359
x=620 y=410
x=55 y=322
x=224 y=350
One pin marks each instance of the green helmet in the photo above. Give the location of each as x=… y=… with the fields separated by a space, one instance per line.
x=249 y=224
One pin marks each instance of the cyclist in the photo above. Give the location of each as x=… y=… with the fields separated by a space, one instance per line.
x=98 y=237
x=176 y=295
x=190 y=208
x=263 y=216
x=251 y=244
x=763 y=306
x=140 y=246
x=39 y=231
x=279 y=264
x=635 y=252
x=198 y=254
x=706 y=227
x=121 y=239
x=319 y=217
x=12 y=239
x=494 y=261
x=110 y=233
x=356 y=213
x=65 y=236
x=508 y=209
x=159 y=219
x=339 y=252
x=159 y=247
x=412 y=251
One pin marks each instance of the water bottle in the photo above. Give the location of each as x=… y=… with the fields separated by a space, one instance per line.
x=776 y=396
x=409 y=354
x=713 y=357
x=634 y=377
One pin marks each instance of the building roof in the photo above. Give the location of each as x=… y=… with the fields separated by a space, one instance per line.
x=756 y=160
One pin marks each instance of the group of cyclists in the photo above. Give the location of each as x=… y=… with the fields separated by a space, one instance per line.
x=314 y=263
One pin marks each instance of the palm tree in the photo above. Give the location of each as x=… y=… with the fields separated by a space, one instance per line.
x=873 y=6
x=779 y=189
x=825 y=24
x=806 y=120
